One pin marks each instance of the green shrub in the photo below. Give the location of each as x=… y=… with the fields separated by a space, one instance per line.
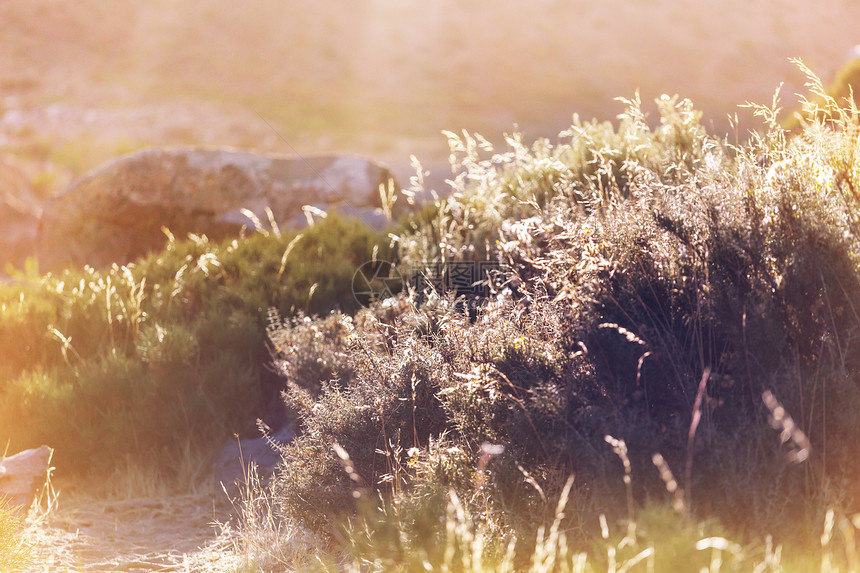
x=134 y=359
x=385 y=402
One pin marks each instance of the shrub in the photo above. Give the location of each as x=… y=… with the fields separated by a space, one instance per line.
x=314 y=352
x=134 y=359
x=656 y=289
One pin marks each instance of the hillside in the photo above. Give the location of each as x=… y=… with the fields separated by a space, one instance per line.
x=81 y=81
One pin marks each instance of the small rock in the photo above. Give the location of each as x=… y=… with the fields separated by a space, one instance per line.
x=235 y=458
x=23 y=474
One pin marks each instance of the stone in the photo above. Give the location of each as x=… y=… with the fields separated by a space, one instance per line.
x=23 y=474
x=116 y=213
x=19 y=216
x=235 y=457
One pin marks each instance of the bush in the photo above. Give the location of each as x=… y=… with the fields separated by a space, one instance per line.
x=134 y=359
x=666 y=278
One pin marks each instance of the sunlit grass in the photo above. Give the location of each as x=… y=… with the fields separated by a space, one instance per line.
x=13 y=552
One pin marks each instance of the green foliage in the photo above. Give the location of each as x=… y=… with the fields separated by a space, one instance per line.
x=661 y=286
x=100 y=363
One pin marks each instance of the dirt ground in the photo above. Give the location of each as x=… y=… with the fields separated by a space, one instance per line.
x=175 y=533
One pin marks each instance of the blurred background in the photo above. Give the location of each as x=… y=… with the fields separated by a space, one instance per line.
x=82 y=81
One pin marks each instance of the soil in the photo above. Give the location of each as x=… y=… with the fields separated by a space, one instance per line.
x=176 y=533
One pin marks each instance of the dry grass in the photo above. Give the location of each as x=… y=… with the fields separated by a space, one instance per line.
x=137 y=520
x=262 y=537
x=652 y=541
x=14 y=553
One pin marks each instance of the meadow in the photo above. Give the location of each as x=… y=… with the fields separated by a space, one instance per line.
x=663 y=377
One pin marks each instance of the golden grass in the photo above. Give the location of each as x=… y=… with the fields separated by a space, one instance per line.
x=14 y=553
x=657 y=539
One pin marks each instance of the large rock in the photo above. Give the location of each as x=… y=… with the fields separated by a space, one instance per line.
x=23 y=474
x=116 y=213
x=19 y=216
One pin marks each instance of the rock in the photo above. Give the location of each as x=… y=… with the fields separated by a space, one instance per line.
x=19 y=216
x=116 y=213
x=23 y=474
x=235 y=457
